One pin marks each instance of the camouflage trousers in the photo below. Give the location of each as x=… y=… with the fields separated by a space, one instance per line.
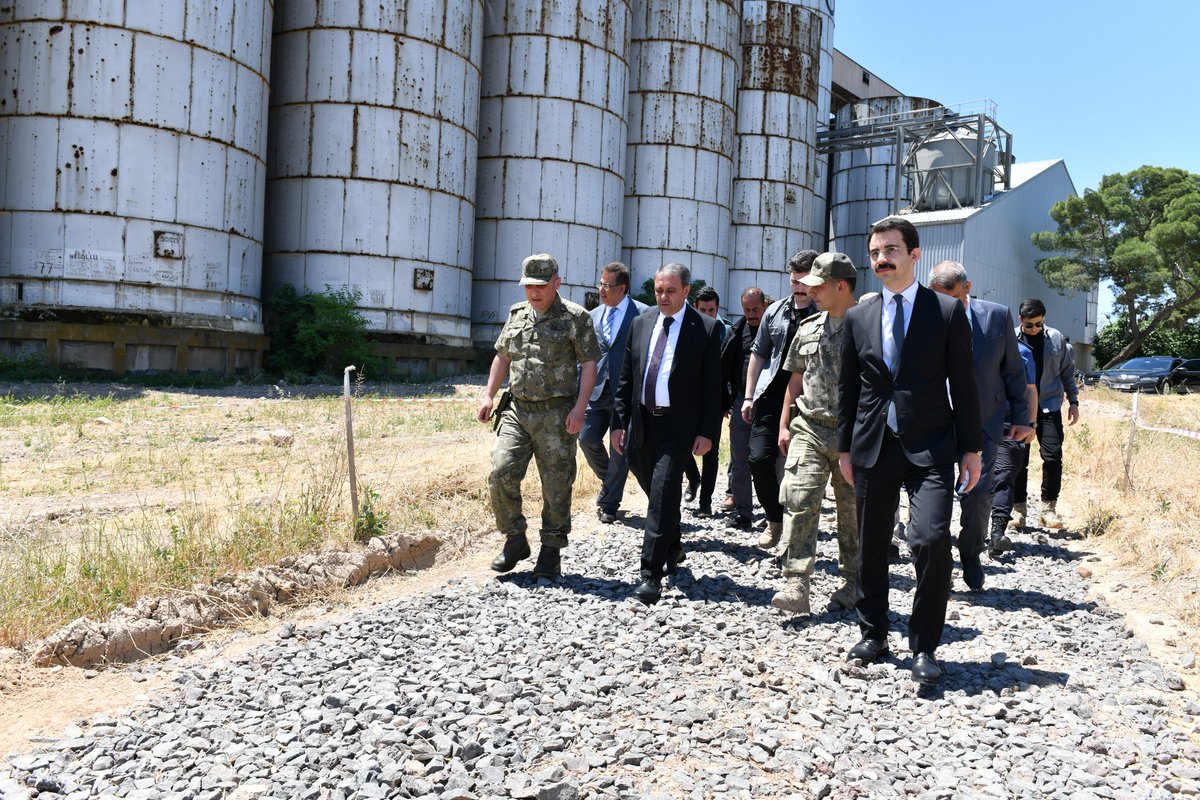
x=812 y=461
x=541 y=435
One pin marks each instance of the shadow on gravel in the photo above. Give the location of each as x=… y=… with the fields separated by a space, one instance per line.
x=742 y=553
x=974 y=678
x=1050 y=551
x=1018 y=599
x=719 y=589
x=603 y=588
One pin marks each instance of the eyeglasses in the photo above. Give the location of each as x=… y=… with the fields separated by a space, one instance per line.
x=603 y=285
x=1032 y=325
x=891 y=251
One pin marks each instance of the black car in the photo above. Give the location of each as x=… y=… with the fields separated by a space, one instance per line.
x=1154 y=374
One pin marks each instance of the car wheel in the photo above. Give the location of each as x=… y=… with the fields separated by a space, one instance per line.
x=1161 y=386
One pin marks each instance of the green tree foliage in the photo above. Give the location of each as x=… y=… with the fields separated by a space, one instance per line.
x=1167 y=340
x=1142 y=232
x=646 y=295
x=318 y=333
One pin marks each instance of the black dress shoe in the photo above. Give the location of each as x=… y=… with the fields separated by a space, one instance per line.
x=868 y=650
x=607 y=517
x=973 y=573
x=649 y=591
x=690 y=493
x=549 y=563
x=705 y=510
x=743 y=523
x=925 y=669
x=516 y=548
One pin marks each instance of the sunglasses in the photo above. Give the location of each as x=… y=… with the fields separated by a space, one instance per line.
x=1033 y=325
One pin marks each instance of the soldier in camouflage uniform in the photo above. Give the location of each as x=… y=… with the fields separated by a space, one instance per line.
x=810 y=440
x=538 y=350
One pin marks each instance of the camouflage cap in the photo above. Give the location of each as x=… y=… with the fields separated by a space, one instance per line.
x=830 y=266
x=538 y=270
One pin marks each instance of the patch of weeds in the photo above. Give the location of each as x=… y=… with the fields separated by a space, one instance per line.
x=1160 y=571
x=1098 y=521
x=372 y=520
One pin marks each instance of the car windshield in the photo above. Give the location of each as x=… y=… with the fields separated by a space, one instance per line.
x=1149 y=362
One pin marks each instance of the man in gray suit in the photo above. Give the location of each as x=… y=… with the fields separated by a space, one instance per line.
x=611 y=319
x=1000 y=375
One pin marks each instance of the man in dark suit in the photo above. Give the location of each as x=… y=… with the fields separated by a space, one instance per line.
x=611 y=319
x=668 y=408
x=899 y=427
x=1000 y=376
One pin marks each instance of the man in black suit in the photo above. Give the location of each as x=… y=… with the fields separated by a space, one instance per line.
x=668 y=406
x=899 y=427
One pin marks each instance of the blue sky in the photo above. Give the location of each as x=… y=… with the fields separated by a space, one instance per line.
x=1105 y=86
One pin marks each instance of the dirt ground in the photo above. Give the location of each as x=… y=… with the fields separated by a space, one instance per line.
x=46 y=702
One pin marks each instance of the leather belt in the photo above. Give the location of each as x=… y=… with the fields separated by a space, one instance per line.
x=540 y=405
x=657 y=411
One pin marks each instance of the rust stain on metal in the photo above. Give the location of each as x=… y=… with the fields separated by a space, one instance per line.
x=787 y=56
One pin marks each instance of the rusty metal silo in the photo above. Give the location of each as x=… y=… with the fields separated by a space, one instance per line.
x=778 y=188
x=371 y=187
x=679 y=168
x=134 y=143
x=551 y=147
x=864 y=179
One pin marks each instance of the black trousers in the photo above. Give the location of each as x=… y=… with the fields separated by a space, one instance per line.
x=976 y=507
x=1011 y=458
x=1049 y=432
x=764 y=451
x=660 y=462
x=931 y=502
x=707 y=477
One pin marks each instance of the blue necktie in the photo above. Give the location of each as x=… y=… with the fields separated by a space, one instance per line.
x=606 y=325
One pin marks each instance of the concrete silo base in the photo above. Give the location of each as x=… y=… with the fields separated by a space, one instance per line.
x=413 y=354
x=117 y=343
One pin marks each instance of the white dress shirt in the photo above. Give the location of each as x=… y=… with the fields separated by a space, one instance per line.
x=662 y=392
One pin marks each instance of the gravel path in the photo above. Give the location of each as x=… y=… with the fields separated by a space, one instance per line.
x=510 y=688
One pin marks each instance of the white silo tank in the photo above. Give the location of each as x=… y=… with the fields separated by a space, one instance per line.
x=134 y=143
x=551 y=147
x=785 y=44
x=679 y=167
x=945 y=166
x=371 y=187
x=864 y=180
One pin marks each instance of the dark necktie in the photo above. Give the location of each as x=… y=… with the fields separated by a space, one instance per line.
x=897 y=333
x=656 y=363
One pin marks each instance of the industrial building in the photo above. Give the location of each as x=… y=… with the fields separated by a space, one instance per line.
x=167 y=166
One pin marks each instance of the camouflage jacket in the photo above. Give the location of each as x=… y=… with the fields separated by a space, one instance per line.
x=546 y=351
x=816 y=352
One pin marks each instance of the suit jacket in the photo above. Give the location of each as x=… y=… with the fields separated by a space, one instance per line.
x=733 y=367
x=937 y=349
x=694 y=383
x=608 y=370
x=999 y=368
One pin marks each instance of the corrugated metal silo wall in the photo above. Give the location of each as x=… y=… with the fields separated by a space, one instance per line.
x=374 y=120
x=679 y=167
x=775 y=185
x=864 y=183
x=127 y=123
x=552 y=147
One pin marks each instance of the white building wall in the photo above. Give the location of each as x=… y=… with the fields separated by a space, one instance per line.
x=125 y=121
x=552 y=148
x=679 y=161
x=778 y=184
x=374 y=119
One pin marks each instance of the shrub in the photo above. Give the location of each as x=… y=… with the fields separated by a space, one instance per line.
x=318 y=333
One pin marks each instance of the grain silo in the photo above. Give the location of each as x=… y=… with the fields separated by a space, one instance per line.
x=865 y=179
x=778 y=186
x=372 y=166
x=134 y=143
x=552 y=147
x=679 y=168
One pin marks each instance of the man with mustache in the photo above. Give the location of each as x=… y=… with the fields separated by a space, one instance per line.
x=908 y=412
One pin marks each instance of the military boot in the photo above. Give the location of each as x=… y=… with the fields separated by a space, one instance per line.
x=845 y=597
x=795 y=597
x=549 y=563
x=1018 y=516
x=770 y=537
x=1050 y=518
x=998 y=542
x=516 y=548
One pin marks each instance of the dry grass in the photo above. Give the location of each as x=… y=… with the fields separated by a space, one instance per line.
x=1154 y=527
x=107 y=499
